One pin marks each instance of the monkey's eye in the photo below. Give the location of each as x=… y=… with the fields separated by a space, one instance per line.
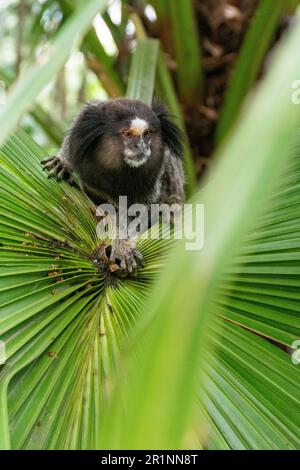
x=127 y=133
x=147 y=133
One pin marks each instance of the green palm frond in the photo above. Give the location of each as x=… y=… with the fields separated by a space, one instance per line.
x=188 y=52
x=97 y=59
x=143 y=71
x=64 y=331
x=256 y=44
x=60 y=317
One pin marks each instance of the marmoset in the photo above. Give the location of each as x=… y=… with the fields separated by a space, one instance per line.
x=123 y=147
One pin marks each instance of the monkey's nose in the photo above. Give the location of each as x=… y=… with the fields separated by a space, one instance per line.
x=141 y=146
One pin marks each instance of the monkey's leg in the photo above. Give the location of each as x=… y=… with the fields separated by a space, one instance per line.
x=125 y=255
x=58 y=168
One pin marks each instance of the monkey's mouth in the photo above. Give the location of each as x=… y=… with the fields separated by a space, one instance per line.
x=136 y=160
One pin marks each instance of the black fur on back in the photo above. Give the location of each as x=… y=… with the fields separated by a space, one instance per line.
x=172 y=136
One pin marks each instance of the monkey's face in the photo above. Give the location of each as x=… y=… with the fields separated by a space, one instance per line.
x=131 y=137
x=137 y=142
x=122 y=134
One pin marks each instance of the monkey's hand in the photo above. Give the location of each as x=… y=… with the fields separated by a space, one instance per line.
x=125 y=255
x=58 y=168
x=121 y=258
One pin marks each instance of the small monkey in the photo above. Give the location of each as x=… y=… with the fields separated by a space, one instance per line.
x=123 y=147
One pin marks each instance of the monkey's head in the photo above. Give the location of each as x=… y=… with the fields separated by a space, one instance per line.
x=124 y=133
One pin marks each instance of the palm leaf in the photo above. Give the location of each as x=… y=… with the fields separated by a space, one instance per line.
x=143 y=71
x=53 y=129
x=180 y=16
x=97 y=59
x=257 y=42
x=56 y=308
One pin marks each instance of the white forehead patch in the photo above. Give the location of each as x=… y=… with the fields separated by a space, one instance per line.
x=139 y=125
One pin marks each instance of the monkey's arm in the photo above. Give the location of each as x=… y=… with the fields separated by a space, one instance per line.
x=59 y=166
x=172 y=189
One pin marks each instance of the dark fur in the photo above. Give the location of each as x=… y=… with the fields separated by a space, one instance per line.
x=171 y=134
x=93 y=149
x=87 y=131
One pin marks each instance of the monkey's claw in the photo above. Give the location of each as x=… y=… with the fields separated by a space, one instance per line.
x=125 y=255
x=122 y=258
x=57 y=168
